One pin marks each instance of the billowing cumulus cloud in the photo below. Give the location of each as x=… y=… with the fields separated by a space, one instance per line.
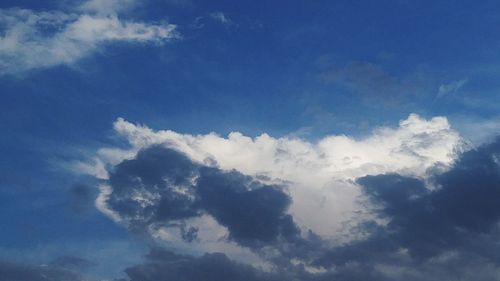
x=451 y=228
x=162 y=187
x=319 y=176
x=409 y=202
x=461 y=212
x=34 y=39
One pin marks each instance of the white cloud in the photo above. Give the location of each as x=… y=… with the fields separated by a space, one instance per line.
x=450 y=88
x=33 y=39
x=220 y=17
x=319 y=175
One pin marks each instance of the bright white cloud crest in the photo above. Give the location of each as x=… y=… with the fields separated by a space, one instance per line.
x=319 y=176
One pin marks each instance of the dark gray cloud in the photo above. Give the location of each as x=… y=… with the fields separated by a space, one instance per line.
x=164 y=265
x=254 y=212
x=461 y=215
x=172 y=187
x=158 y=171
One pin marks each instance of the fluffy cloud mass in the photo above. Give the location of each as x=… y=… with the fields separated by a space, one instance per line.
x=407 y=202
x=319 y=176
x=34 y=39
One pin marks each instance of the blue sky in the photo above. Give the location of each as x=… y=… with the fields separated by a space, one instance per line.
x=298 y=70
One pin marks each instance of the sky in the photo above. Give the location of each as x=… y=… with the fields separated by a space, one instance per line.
x=249 y=140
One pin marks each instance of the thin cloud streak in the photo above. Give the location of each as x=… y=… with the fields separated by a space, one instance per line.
x=33 y=39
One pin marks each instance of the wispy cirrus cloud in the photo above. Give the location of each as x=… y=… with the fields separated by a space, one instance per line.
x=450 y=88
x=221 y=17
x=33 y=39
x=373 y=82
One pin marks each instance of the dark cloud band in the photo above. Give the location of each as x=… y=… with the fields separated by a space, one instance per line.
x=162 y=185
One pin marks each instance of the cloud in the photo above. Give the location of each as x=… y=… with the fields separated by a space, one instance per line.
x=164 y=265
x=319 y=175
x=402 y=203
x=25 y=272
x=221 y=17
x=92 y=260
x=32 y=39
x=71 y=263
x=371 y=81
x=165 y=194
x=450 y=88
x=457 y=221
x=318 y=178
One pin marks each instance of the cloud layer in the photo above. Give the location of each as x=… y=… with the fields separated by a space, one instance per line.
x=163 y=191
x=408 y=202
x=318 y=175
x=33 y=39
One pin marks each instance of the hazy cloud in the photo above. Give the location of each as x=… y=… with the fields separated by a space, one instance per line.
x=32 y=39
x=164 y=265
x=10 y=271
x=220 y=17
x=372 y=81
x=450 y=88
x=71 y=263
